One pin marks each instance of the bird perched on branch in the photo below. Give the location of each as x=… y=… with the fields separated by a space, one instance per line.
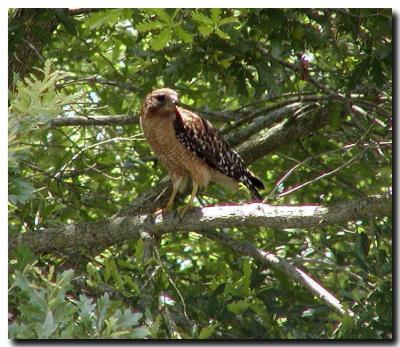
x=191 y=148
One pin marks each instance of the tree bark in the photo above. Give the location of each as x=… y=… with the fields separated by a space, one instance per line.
x=96 y=236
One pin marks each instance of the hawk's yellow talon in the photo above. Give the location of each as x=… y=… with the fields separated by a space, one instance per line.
x=190 y=203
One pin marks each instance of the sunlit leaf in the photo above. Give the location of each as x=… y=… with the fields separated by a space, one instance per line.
x=207 y=332
x=161 y=40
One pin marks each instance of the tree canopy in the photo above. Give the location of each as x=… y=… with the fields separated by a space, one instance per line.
x=305 y=97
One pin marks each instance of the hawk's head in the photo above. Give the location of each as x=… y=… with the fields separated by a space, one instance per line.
x=163 y=99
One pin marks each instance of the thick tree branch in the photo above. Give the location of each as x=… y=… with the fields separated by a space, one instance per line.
x=282 y=134
x=100 y=235
x=96 y=236
x=266 y=120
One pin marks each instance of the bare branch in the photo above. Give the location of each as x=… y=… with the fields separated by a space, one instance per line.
x=95 y=79
x=95 y=120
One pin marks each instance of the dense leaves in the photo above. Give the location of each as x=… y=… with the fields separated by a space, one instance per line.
x=240 y=68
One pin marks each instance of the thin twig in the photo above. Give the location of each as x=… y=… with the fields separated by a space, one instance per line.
x=323 y=175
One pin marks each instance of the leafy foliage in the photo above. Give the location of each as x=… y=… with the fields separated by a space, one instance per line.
x=46 y=311
x=229 y=65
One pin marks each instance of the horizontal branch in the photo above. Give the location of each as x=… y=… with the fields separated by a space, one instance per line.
x=94 y=120
x=96 y=79
x=80 y=11
x=106 y=120
x=97 y=236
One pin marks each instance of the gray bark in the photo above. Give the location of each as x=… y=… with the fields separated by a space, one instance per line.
x=97 y=236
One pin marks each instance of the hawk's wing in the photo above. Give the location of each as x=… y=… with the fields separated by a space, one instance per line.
x=201 y=138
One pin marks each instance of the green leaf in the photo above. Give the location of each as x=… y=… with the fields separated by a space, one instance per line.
x=86 y=307
x=98 y=19
x=202 y=19
x=204 y=30
x=22 y=331
x=127 y=279
x=67 y=21
x=259 y=308
x=127 y=319
x=48 y=327
x=68 y=332
x=335 y=112
x=148 y=26
x=20 y=190
x=227 y=20
x=110 y=269
x=238 y=306
x=21 y=281
x=225 y=62
x=64 y=280
x=160 y=13
x=221 y=34
x=161 y=40
x=206 y=332
x=183 y=35
x=24 y=257
x=103 y=303
x=247 y=275
x=139 y=246
x=215 y=14
x=139 y=333
x=276 y=48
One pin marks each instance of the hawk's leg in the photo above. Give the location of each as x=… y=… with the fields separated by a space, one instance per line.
x=192 y=196
x=175 y=185
x=171 y=200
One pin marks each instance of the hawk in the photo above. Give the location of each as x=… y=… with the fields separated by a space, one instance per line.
x=189 y=147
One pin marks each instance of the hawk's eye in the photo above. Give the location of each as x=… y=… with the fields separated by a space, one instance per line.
x=160 y=97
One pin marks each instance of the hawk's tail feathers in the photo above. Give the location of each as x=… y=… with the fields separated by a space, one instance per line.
x=254 y=184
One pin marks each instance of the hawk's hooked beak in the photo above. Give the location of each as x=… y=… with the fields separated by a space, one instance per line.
x=175 y=100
